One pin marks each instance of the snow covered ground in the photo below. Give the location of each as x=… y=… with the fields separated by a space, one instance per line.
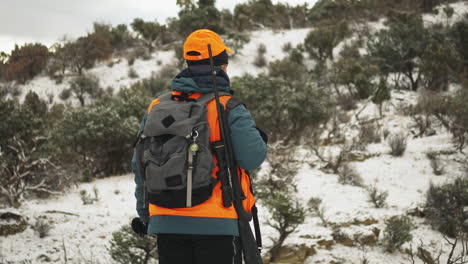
x=84 y=231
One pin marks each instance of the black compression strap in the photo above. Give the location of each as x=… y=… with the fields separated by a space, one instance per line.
x=258 y=234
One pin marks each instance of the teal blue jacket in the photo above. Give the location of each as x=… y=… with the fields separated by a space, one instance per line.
x=249 y=150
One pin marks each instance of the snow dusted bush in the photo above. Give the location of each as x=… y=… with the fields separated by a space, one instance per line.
x=321 y=41
x=436 y=164
x=85 y=86
x=42 y=227
x=347 y=174
x=444 y=206
x=99 y=137
x=399 y=47
x=397 y=232
x=128 y=247
x=355 y=72
x=159 y=82
x=276 y=191
x=236 y=41
x=450 y=110
x=316 y=209
x=282 y=117
x=346 y=101
x=377 y=197
x=397 y=143
x=86 y=198
x=132 y=73
x=369 y=133
x=26 y=157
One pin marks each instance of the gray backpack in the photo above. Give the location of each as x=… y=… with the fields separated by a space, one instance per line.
x=174 y=155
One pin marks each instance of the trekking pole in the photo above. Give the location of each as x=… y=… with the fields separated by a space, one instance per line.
x=248 y=243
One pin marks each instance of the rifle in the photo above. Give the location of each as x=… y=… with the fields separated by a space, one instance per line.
x=248 y=243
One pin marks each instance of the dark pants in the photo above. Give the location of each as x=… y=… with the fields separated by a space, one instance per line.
x=198 y=249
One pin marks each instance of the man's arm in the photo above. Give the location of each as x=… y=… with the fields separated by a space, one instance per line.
x=249 y=147
x=139 y=191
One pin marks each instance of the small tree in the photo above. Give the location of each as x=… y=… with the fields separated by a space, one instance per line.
x=236 y=41
x=260 y=60
x=444 y=206
x=316 y=209
x=348 y=174
x=381 y=95
x=320 y=42
x=151 y=32
x=128 y=247
x=276 y=191
x=376 y=197
x=439 y=61
x=3 y=65
x=399 y=48
x=26 y=62
x=26 y=164
x=355 y=72
x=84 y=85
x=85 y=51
x=458 y=33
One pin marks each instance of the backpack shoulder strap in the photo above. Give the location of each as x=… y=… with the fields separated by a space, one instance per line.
x=165 y=97
x=205 y=98
x=233 y=103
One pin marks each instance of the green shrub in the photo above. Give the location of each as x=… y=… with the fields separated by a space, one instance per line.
x=132 y=73
x=282 y=108
x=369 y=133
x=397 y=143
x=152 y=33
x=99 y=137
x=458 y=33
x=321 y=41
x=128 y=247
x=236 y=41
x=381 y=95
x=26 y=157
x=260 y=60
x=450 y=110
x=399 y=48
x=192 y=18
x=440 y=61
x=444 y=206
x=355 y=72
x=283 y=69
x=83 y=86
x=348 y=174
x=316 y=208
x=42 y=227
x=158 y=83
x=286 y=215
x=397 y=232
x=376 y=197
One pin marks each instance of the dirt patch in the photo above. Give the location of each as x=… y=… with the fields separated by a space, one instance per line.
x=11 y=224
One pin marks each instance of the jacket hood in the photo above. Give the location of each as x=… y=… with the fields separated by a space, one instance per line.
x=199 y=79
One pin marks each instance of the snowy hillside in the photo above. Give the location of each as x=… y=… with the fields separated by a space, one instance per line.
x=81 y=233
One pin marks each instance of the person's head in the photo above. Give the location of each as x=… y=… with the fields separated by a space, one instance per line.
x=196 y=49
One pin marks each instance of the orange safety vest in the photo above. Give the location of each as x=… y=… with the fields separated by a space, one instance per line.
x=213 y=207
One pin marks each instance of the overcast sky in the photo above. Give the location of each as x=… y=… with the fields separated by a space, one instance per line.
x=46 y=21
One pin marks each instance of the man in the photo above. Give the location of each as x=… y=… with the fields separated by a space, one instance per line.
x=207 y=232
